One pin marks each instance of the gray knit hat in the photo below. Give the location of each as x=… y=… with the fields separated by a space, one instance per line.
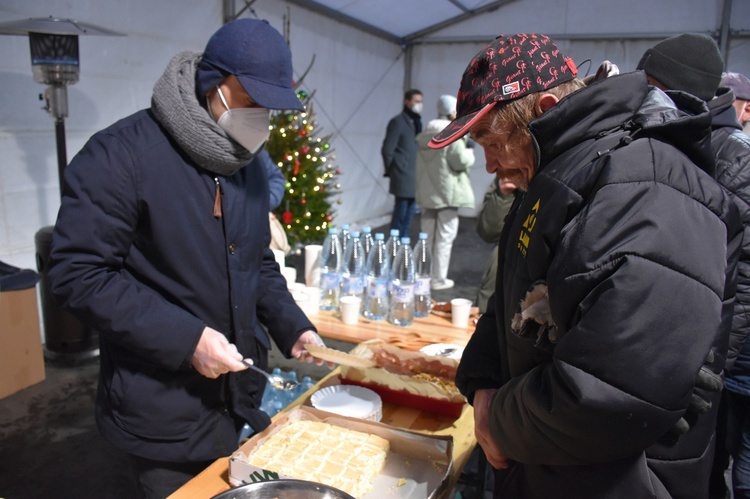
x=690 y=62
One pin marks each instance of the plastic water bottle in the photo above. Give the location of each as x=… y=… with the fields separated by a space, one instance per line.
x=288 y=396
x=422 y=277
x=402 y=276
x=367 y=240
x=391 y=247
x=330 y=267
x=378 y=273
x=353 y=269
x=345 y=238
x=306 y=384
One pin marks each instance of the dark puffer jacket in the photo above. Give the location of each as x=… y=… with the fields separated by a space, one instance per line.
x=637 y=248
x=140 y=255
x=731 y=148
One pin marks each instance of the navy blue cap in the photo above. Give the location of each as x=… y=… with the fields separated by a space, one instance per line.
x=257 y=55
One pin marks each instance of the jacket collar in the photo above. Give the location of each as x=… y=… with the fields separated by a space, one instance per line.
x=625 y=102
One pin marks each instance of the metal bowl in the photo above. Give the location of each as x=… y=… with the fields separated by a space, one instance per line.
x=284 y=489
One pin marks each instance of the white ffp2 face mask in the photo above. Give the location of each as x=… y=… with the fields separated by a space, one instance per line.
x=417 y=108
x=248 y=126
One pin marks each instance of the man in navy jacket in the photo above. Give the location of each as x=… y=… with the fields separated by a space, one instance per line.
x=161 y=244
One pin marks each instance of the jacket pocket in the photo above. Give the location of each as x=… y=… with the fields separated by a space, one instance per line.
x=159 y=404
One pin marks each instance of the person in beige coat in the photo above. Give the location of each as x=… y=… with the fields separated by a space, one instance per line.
x=443 y=186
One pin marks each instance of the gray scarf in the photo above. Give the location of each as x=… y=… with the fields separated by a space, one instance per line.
x=176 y=107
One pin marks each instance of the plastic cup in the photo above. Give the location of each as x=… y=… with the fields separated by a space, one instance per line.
x=279 y=257
x=460 y=312
x=312 y=264
x=313 y=301
x=290 y=274
x=350 y=309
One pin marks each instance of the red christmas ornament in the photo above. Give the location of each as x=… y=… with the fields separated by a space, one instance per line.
x=303 y=201
x=338 y=172
x=305 y=150
x=286 y=217
x=329 y=218
x=302 y=133
x=296 y=166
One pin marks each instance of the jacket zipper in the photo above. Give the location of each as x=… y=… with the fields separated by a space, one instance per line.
x=217 y=198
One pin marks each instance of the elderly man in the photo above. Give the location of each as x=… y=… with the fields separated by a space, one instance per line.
x=616 y=275
x=161 y=244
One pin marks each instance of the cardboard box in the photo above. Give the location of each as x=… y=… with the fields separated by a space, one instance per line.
x=21 y=357
x=417 y=466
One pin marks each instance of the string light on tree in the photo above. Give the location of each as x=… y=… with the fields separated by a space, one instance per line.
x=306 y=162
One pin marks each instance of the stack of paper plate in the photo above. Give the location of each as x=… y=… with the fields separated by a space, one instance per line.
x=349 y=400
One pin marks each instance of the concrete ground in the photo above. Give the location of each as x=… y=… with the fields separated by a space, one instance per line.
x=49 y=445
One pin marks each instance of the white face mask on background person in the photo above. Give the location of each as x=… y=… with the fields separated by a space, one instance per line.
x=248 y=126
x=417 y=108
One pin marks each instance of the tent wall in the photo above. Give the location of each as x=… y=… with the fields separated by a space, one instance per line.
x=357 y=79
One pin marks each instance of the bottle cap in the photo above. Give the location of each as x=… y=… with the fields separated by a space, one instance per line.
x=355 y=233
x=394 y=232
x=405 y=240
x=333 y=230
x=379 y=236
x=366 y=229
x=344 y=226
x=423 y=235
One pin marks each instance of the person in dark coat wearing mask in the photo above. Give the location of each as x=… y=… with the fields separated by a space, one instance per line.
x=399 y=151
x=616 y=276
x=161 y=245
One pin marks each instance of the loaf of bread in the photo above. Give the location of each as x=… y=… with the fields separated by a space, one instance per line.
x=406 y=371
x=312 y=450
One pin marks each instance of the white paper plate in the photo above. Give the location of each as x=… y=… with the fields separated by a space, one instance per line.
x=349 y=400
x=443 y=350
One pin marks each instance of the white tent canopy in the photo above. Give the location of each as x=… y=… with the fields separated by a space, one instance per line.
x=365 y=53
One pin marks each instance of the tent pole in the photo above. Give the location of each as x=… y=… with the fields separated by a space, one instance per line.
x=724 y=34
x=408 y=66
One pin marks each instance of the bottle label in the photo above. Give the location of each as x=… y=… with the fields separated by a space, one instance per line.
x=329 y=280
x=351 y=285
x=403 y=293
x=422 y=286
x=377 y=288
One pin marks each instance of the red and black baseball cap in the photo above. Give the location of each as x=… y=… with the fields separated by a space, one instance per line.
x=507 y=68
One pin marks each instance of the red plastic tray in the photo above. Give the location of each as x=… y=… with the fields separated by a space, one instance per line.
x=406 y=399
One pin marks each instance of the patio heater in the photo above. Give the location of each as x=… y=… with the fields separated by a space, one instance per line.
x=55 y=63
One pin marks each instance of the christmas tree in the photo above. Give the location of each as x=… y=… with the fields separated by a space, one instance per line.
x=306 y=161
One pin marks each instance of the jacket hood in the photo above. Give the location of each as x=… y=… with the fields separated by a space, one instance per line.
x=626 y=102
x=432 y=127
x=722 y=111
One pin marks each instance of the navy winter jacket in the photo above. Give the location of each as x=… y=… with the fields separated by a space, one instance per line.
x=148 y=250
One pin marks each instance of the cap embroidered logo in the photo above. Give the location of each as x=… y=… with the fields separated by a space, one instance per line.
x=507 y=68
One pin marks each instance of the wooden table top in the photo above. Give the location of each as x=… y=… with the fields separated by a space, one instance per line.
x=214 y=479
x=425 y=331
